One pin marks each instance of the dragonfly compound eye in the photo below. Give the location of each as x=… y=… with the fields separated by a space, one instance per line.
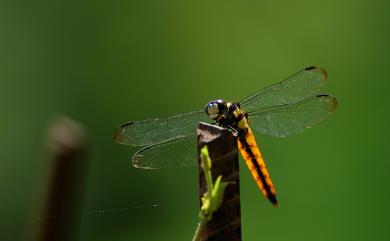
x=214 y=109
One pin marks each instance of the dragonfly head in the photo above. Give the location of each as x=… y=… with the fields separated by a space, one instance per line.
x=216 y=109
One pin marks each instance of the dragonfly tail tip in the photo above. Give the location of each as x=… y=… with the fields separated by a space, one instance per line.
x=273 y=200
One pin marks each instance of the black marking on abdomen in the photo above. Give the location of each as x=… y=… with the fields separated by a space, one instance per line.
x=247 y=148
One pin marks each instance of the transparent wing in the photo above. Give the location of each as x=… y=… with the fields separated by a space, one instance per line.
x=295 y=88
x=288 y=119
x=152 y=131
x=176 y=152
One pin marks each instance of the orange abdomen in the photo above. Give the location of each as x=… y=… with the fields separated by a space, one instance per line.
x=253 y=159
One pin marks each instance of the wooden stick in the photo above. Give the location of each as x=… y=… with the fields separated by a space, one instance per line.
x=66 y=141
x=222 y=145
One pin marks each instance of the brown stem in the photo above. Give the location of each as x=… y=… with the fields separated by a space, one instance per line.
x=222 y=145
x=66 y=141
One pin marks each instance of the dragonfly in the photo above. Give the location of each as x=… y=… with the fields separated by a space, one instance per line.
x=280 y=110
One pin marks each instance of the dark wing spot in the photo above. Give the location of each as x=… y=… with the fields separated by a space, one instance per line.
x=319 y=70
x=127 y=124
x=118 y=132
x=311 y=67
x=329 y=98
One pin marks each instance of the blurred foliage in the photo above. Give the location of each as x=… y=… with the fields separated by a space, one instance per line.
x=104 y=63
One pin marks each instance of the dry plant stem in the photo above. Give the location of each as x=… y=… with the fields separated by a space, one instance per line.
x=198 y=231
x=66 y=142
x=222 y=145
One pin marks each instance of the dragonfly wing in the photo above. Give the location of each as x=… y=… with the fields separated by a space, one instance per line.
x=295 y=88
x=176 y=152
x=288 y=119
x=151 y=131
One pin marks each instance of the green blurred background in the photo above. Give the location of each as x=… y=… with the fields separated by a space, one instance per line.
x=106 y=62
